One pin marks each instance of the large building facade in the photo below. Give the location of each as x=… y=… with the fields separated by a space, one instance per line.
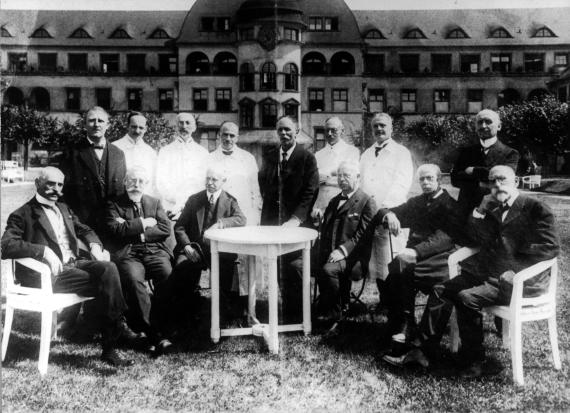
x=251 y=61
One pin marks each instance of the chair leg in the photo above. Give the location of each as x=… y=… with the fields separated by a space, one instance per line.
x=7 y=328
x=505 y=331
x=45 y=341
x=54 y=326
x=552 y=329
x=516 y=351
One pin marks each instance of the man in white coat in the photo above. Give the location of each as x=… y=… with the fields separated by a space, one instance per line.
x=386 y=174
x=181 y=167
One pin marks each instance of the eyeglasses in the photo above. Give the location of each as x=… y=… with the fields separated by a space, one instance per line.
x=498 y=179
x=134 y=181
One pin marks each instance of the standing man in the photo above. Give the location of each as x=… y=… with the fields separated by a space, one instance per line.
x=470 y=172
x=138 y=228
x=386 y=173
x=329 y=158
x=289 y=182
x=94 y=171
x=48 y=230
x=181 y=167
x=137 y=151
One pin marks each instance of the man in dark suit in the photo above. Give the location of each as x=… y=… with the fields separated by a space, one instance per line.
x=208 y=209
x=48 y=230
x=514 y=232
x=289 y=184
x=94 y=171
x=471 y=169
x=138 y=227
x=344 y=222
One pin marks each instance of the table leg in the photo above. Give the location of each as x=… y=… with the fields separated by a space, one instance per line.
x=273 y=342
x=215 y=286
x=252 y=286
x=307 y=289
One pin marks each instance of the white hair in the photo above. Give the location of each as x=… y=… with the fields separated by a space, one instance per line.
x=429 y=167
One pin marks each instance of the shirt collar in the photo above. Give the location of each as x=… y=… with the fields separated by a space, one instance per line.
x=486 y=144
x=383 y=144
x=103 y=141
x=45 y=201
x=180 y=139
x=513 y=198
x=349 y=195
x=289 y=152
x=216 y=195
x=139 y=141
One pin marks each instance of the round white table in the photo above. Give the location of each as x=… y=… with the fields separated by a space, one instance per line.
x=267 y=242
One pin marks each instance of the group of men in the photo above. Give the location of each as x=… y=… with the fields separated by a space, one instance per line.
x=124 y=198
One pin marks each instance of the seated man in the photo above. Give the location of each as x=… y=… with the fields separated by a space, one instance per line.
x=513 y=231
x=137 y=228
x=208 y=209
x=345 y=220
x=48 y=230
x=434 y=225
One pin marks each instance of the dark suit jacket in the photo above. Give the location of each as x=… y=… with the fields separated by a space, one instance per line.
x=188 y=228
x=121 y=236
x=527 y=236
x=346 y=226
x=82 y=190
x=471 y=193
x=293 y=192
x=29 y=231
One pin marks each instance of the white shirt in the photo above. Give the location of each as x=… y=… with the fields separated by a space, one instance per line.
x=288 y=152
x=180 y=172
x=330 y=157
x=99 y=152
x=387 y=177
x=139 y=153
x=241 y=171
x=344 y=201
x=213 y=196
x=487 y=143
x=56 y=221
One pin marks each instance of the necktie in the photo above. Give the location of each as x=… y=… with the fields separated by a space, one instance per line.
x=211 y=200
x=378 y=149
x=138 y=209
x=227 y=153
x=504 y=208
x=210 y=214
x=484 y=151
x=284 y=161
x=343 y=197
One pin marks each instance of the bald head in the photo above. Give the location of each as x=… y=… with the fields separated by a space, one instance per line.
x=49 y=183
x=333 y=130
x=228 y=134
x=487 y=124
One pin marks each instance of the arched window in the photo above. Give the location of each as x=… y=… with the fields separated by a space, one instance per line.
x=374 y=34
x=544 y=32
x=225 y=63
x=39 y=99
x=120 y=34
x=41 y=33
x=291 y=77
x=415 y=34
x=197 y=63
x=159 y=34
x=13 y=96
x=246 y=113
x=80 y=33
x=342 y=63
x=268 y=113
x=507 y=97
x=314 y=63
x=538 y=94
x=246 y=77
x=500 y=33
x=268 y=79
x=291 y=109
x=457 y=33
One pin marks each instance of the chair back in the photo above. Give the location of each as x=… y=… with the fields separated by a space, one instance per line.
x=37 y=266
x=549 y=297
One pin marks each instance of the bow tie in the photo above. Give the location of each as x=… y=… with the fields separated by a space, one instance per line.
x=343 y=197
x=227 y=153
x=96 y=146
x=504 y=207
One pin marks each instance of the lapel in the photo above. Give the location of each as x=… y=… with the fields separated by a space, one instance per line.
x=39 y=216
x=349 y=203
x=86 y=155
x=223 y=205
x=68 y=222
x=201 y=210
x=291 y=161
x=494 y=153
x=331 y=209
x=148 y=207
x=514 y=210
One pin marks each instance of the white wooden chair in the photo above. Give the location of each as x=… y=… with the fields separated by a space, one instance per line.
x=519 y=310
x=42 y=300
x=531 y=181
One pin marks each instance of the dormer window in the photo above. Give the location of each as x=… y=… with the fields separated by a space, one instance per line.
x=159 y=34
x=120 y=34
x=415 y=34
x=500 y=33
x=215 y=24
x=544 y=32
x=80 y=34
x=374 y=34
x=5 y=32
x=457 y=33
x=41 y=33
x=323 y=24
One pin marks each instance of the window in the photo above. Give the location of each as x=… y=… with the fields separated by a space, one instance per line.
x=103 y=97
x=291 y=109
x=207 y=24
x=200 y=98
x=342 y=63
x=167 y=63
x=562 y=94
x=40 y=99
x=41 y=33
x=374 y=63
x=212 y=24
x=47 y=62
x=223 y=100
x=246 y=77
x=268 y=113
x=376 y=100
x=291 y=76
x=247 y=34
x=17 y=62
x=561 y=59
x=408 y=97
x=197 y=63
x=246 y=113
x=224 y=24
x=291 y=34
x=268 y=77
x=544 y=32
x=5 y=32
x=159 y=34
x=330 y=24
x=110 y=63
x=374 y=34
x=13 y=96
x=340 y=100
x=457 y=34
x=80 y=33
x=415 y=34
x=441 y=63
x=77 y=62
x=73 y=101
x=410 y=63
x=315 y=24
x=534 y=62
x=120 y=34
x=316 y=100
x=507 y=97
x=314 y=63
x=225 y=63
x=474 y=100
x=319 y=24
x=470 y=63
x=500 y=33
x=136 y=63
x=500 y=62
x=134 y=99
x=165 y=99
x=441 y=100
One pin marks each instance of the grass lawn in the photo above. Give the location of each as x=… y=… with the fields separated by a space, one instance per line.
x=311 y=373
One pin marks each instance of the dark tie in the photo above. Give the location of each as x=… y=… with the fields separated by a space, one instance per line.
x=504 y=207
x=137 y=207
x=484 y=151
x=284 y=161
x=378 y=149
x=210 y=213
x=227 y=153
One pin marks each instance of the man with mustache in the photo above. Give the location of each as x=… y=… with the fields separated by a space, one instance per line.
x=47 y=230
x=513 y=231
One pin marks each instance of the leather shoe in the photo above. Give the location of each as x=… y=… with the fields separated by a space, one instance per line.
x=164 y=346
x=407 y=331
x=111 y=357
x=125 y=334
x=414 y=356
